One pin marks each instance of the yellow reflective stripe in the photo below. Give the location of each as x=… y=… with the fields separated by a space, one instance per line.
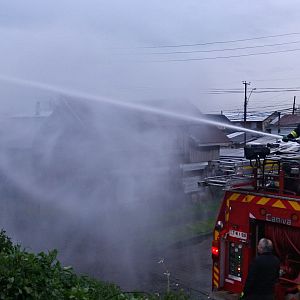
x=234 y=196
x=216 y=235
x=279 y=204
x=216 y=277
x=263 y=201
x=295 y=205
x=248 y=198
x=216 y=270
x=216 y=283
x=294 y=134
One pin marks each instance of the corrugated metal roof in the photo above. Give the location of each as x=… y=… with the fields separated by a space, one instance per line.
x=264 y=140
x=235 y=134
x=218 y=117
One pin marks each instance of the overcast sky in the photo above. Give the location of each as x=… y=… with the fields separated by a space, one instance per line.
x=104 y=48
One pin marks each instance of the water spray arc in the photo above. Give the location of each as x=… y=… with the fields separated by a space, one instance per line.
x=129 y=105
x=92 y=215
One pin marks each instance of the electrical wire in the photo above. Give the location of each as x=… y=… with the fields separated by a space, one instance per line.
x=225 y=57
x=278 y=79
x=257 y=108
x=278 y=88
x=240 y=111
x=257 y=88
x=220 y=50
x=256 y=92
x=222 y=42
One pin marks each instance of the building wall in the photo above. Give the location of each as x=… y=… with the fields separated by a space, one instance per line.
x=204 y=154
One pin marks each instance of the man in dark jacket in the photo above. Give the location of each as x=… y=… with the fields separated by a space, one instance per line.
x=294 y=134
x=263 y=273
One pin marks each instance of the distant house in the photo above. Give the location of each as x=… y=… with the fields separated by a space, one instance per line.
x=205 y=142
x=255 y=121
x=286 y=124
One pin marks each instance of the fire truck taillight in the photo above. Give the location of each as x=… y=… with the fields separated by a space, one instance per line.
x=215 y=251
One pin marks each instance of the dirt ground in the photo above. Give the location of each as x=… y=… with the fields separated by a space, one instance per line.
x=189 y=268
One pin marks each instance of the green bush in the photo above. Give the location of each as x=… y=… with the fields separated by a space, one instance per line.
x=29 y=276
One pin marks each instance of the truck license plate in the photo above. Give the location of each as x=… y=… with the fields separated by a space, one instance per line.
x=238 y=234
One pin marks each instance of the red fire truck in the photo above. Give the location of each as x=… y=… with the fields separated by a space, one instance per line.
x=262 y=199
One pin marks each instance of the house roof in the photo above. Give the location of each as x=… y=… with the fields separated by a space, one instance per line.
x=264 y=140
x=218 y=118
x=251 y=117
x=238 y=137
x=235 y=134
x=290 y=120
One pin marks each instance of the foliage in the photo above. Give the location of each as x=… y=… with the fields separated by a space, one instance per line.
x=29 y=276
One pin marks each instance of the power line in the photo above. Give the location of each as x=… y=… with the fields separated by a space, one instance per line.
x=257 y=109
x=278 y=88
x=226 y=57
x=255 y=113
x=260 y=109
x=278 y=79
x=268 y=106
x=221 y=42
x=222 y=50
x=276 y=102
x=278 y=91
x=256 y=92
x=257 y=88
x=251 y=112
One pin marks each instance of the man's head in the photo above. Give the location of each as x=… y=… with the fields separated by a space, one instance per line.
x=264 y=245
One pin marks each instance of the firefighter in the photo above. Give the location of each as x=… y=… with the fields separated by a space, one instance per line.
x=263 y=273
x=295 y=133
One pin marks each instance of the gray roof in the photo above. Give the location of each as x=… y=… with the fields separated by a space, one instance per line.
x=235 y=134
x=238 y=137
x=290 y=120
x=251 y=117
x=218 y=117
x=264 y=140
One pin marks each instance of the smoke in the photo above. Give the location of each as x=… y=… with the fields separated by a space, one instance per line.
x=94 y=180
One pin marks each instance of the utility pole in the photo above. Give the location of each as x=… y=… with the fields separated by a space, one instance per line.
x=245 y=83
x=278 y=131
x=294 y=104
